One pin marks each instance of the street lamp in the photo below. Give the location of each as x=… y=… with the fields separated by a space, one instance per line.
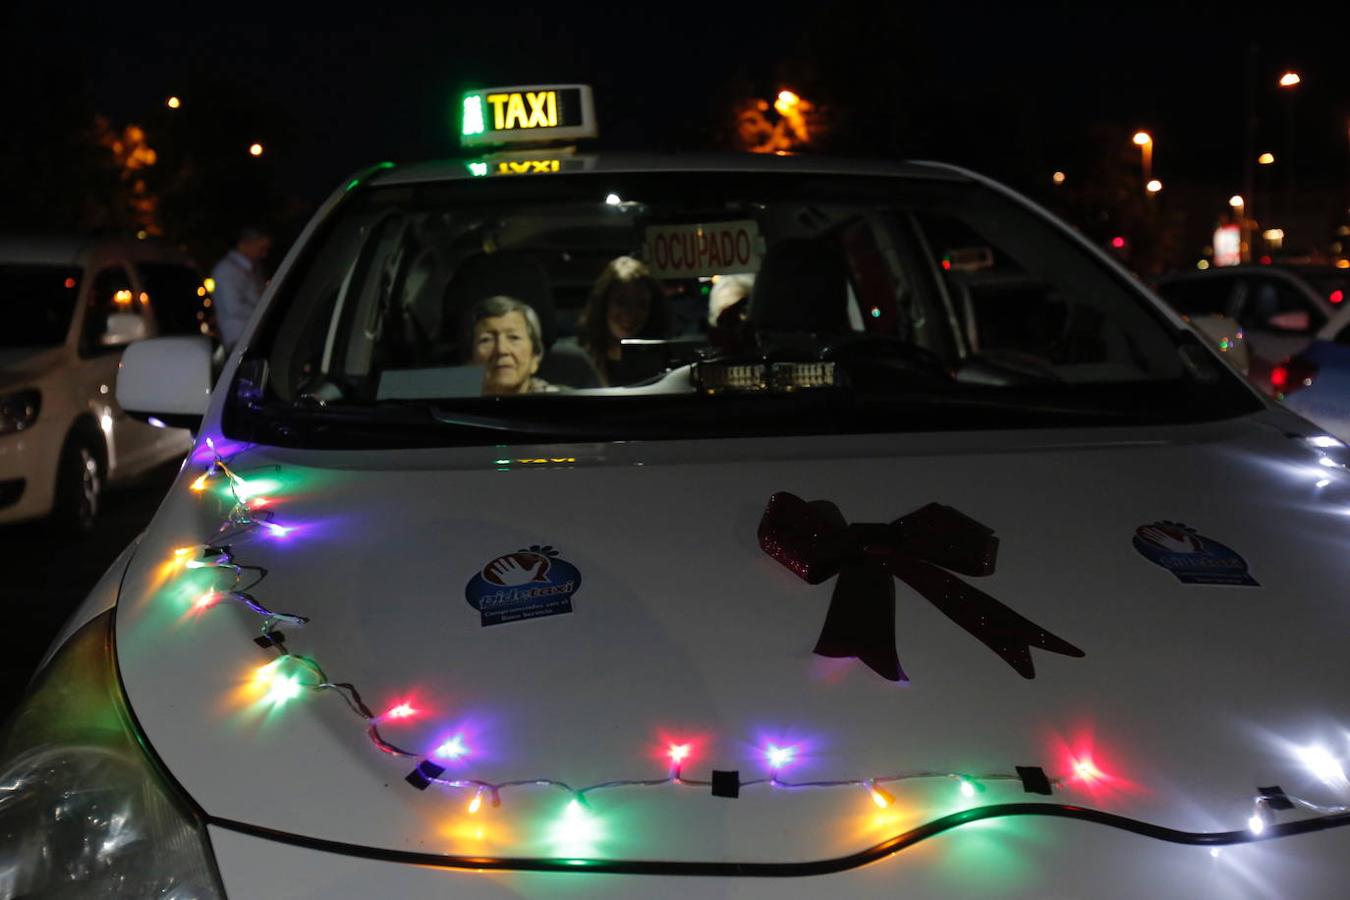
x=173 y=103
x=1236 y=201
x=1058 y=177
x=255 y=149
x=1153 y=186
x=1289 y=79
x=1266 y=159
x=1144 y=141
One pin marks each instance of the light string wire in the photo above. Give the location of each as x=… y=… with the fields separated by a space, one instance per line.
x=242 y=519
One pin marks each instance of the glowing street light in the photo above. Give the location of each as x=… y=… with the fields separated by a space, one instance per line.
x=1144 y=141
x=255 y=149
x=1153 y=186
x=1266 y=159
x=173 y=103
x=1058 y=177
x=1289 y=79
x=1236 y=201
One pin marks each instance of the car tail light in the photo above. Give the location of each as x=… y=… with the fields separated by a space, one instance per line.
x=1292 y=375
x=1336 y=296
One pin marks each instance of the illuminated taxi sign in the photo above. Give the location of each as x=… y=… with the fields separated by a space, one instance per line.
x=527 y=113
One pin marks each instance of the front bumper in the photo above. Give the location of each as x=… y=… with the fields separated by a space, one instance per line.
x=30 y=455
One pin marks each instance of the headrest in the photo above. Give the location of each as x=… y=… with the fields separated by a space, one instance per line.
x=801 y=287
x=517 y=275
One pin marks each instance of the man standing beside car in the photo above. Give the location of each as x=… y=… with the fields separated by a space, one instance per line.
x=239 y=283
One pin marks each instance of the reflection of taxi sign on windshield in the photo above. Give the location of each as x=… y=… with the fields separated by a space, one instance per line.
x=527 y=114
x=687 y=251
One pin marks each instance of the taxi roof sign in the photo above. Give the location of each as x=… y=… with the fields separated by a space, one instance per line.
x=527 y=114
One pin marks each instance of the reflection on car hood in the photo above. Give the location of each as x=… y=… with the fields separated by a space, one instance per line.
x=680 y=629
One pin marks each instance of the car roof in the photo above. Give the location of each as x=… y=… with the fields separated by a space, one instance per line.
x=457 y=169
x=74 y=250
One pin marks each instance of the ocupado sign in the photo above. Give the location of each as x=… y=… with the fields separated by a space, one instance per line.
x=688 y=251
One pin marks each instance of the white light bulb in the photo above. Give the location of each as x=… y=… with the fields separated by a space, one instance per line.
x=1324 y=440
x=613 y=199
x=1325 y=767
x=1256 y=824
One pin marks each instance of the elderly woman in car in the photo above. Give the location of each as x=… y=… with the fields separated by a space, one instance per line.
x=503 y=335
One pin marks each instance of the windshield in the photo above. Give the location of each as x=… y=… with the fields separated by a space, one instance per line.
x=36 y=303
x=705 y=304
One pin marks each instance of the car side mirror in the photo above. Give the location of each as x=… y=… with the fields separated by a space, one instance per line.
x=123 y=328
x=1294 y=320
x=167 y=379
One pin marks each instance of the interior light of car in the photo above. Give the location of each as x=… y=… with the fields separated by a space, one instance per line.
x=83 y=809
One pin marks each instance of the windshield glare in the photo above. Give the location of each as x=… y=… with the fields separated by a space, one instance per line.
x=552 y=298
x=36 y=304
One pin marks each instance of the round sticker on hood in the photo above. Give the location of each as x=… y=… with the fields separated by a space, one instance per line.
x=1190 y=556
x=525 y=584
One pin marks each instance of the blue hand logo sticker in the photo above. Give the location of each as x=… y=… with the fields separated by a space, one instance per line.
x=526 y=584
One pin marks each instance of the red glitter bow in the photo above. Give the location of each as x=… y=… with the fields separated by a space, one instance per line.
x=815 y=542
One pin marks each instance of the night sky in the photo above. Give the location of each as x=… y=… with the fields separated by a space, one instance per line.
x=1016 y=92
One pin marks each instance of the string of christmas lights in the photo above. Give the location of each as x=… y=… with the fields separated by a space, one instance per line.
x=248 y=513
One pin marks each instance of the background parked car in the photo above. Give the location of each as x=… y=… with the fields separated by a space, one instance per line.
x=1316 y=382
x=1280 y=308
x=69 y=307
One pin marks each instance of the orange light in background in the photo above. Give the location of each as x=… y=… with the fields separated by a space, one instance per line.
x=209 y=284
x=1058 y=177
x=1236 y=201
x=255 y=149
x=1153 y=186
x=122 y=298
x=173 y=103
x=786 y=102
x=1289 y=79
x=1266 y=159
x=1142 y=137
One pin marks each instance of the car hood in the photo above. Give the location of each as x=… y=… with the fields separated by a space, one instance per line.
x=22 y=364
x=666 y=623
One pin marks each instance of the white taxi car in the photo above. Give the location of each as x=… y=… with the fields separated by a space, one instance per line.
x=70 y=307
x=959 y=567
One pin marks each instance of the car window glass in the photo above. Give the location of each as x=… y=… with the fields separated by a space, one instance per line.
x=1201 y=296
x=178 y=299
x=36 y=304
x=110 y=292
x=1273 y=304
x=1023 y=311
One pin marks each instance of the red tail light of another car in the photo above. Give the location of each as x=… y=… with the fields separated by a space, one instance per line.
x=1292 y=375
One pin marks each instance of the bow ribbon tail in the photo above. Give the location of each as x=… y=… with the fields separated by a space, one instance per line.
x=996 y=626
x=861 y=620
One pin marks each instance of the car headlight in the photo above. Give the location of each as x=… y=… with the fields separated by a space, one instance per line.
x=19 y=410
x=84 y=811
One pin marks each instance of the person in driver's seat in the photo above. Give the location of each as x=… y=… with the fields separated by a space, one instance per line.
x=503 y=335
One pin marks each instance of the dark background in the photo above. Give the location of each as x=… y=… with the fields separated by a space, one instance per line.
x=1013 y=90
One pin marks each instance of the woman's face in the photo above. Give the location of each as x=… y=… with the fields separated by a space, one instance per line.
x=502 y=346
x=630 y=303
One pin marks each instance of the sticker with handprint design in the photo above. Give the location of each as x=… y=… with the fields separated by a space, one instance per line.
x=1190 y=556
x=527 y=584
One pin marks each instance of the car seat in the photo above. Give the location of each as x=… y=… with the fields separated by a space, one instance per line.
x=801 y=288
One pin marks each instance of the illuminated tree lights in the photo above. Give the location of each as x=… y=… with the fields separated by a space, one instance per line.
x=288 y=676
